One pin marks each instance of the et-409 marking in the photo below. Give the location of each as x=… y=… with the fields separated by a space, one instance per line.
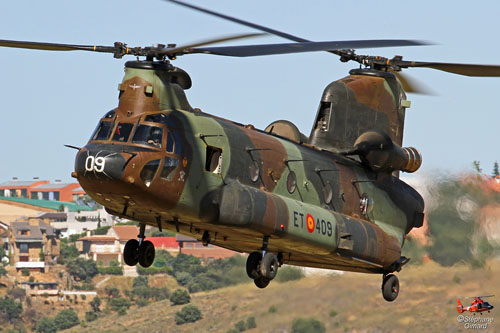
x=321 y=226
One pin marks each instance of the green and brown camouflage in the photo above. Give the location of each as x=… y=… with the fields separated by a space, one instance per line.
x=320 y=205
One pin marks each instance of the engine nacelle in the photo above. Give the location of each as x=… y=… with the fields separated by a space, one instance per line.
x=377 y=151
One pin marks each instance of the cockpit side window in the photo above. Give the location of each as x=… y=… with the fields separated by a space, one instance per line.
x=122 y=132
x=170 y=143
x=103 y=130
x=157 y=118
x=148 y=135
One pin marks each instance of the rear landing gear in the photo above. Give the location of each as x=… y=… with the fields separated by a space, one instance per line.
x=390 y=287
x=139 y=251
x=262 y=267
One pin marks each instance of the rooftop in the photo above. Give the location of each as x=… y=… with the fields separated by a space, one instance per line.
x=19 y=183
x=49 y=204
x=126 y=232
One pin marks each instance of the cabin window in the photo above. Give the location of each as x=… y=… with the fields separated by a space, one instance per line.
x=328 y=193
x=213 y=162
x=103 y=130
x=169 y=167
x=291 y=182
x=149 y=171
x=122 y=132
x=323 y=116
x=170 y=143
x=148 y=135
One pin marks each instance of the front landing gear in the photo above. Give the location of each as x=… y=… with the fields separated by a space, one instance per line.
x=390 y=287
x=139 y=251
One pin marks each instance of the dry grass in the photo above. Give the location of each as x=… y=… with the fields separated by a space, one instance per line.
x=427 y=303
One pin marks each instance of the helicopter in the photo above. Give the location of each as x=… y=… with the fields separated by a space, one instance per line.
x=332 y=199
x=477 y=305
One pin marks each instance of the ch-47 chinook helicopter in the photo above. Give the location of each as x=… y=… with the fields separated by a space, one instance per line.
x=331 y=200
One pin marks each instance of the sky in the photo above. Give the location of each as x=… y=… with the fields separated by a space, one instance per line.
x=48 y=99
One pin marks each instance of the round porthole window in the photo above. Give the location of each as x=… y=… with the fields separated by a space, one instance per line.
x=291 y=182
x=254 y=171
x=328 y=193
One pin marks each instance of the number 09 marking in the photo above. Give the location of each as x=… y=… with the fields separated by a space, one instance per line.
x=95 y=164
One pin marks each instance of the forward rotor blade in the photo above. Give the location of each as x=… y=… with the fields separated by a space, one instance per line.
x=246 y=23
x=54 y=46
x=461 y=69
x=269 y=49
x=179 y=49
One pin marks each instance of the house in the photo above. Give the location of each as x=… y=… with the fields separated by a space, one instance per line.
x=70 y=223
x=105 y=248
x=33 y=243
x=169 y=244
x=194 y=247
x=41 y=190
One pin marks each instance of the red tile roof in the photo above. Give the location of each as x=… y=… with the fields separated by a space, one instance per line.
x=126 y=232
x=164 y=242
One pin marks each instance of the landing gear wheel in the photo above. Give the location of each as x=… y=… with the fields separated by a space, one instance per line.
x=390 y=287
x=146 y=254
x=131 y=252
x=253 y=261
x=261 y=282
x=269 y=266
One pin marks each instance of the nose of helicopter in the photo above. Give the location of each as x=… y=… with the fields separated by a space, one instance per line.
x=100 y=164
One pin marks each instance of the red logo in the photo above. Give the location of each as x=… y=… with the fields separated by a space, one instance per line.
x=310 y=223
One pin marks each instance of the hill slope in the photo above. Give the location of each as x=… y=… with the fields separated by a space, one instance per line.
x=427 y=302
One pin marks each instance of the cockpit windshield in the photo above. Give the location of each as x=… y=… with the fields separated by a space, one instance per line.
x=122 y=132
x=103 y=131
x=148 y=135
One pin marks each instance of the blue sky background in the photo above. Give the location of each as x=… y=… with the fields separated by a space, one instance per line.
x=49 y=99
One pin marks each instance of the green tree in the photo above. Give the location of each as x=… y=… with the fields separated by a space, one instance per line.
x=496 y=171
x=42 y=255
x=112 y=292
x=118 y=304
x=82 y=269
x=68 y=252
x=179 y=297
x=477 y=166
x=46 y=325
x=307 y=325
x=189 y=314
x=95 y=303
x=66 y=318
x=9 y=309
x=289 y=273
x=240 y=326
x=91 y=316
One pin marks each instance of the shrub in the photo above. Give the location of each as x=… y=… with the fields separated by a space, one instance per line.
x=91 y=316
x=142 y=302
x=66 y=318
x=333 y=313
x=189 y=314
x=140 y=281
x=101 y=230
x=179 y=297
x=10 y=309
x=3 y=271
x=161 y=293
x=67 y=253
x=118 y=304
x=273 y=309
x=112 y=292
x=95 y=304
x=308 y=325
x=46 y=325
x=251 y=323
x=289 y=273
x=17 y=294
x=82 y=269
x=25 y=272
x=240 y=326
x=114 y=268
x=183 y=278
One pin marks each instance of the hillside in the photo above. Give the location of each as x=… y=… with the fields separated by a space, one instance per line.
x=427 y=302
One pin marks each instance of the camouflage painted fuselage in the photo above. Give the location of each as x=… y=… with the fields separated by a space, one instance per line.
x=320 y=208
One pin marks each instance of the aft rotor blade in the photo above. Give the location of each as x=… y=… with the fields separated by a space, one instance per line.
x=411 y=85
x=461 y=69
x=246 y=23
x=269 y=49
x=54 y=46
